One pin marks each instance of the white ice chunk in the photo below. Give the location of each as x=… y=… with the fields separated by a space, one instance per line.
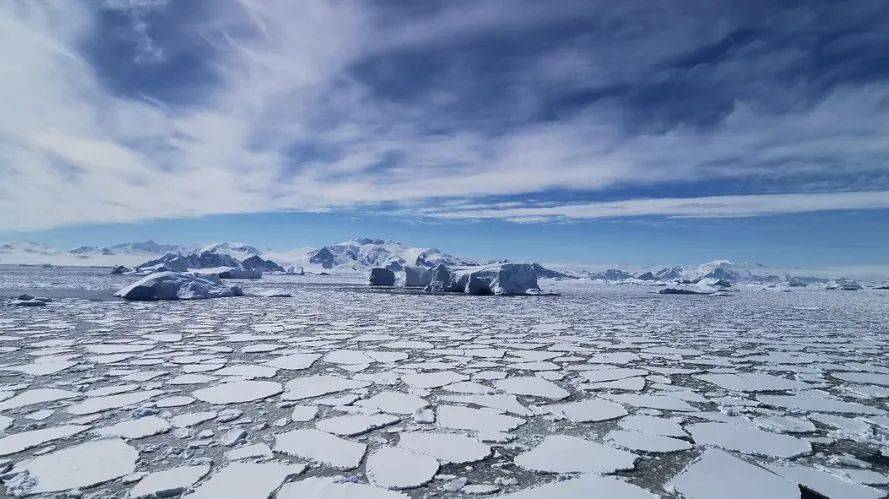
x=588 y=411
x=484 y=419
x=718 y=474
x=433 y=380
x=18 y=442
x=394 y=402
x=569 y=454
x=351 y=425
x=238 y=391
x=36 y=396
x=135 y=428
x=583 y=487
x=169 y=482
x=446 y=447
x=314 y=386
x=634 y=440
x=397 y=468
x=246 y=480
x=532 y=386
x=329 y=488
x=80 y=466
x=748 y=439
x=321 y=447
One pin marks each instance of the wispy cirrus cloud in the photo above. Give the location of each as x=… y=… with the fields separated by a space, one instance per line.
x=749 y=205
x=256 y=106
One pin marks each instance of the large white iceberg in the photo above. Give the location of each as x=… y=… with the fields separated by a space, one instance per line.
x=177 y=286
x=380 y=276
x=416 y=276
x=496 y=279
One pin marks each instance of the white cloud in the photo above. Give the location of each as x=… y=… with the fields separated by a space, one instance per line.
x=696 y=207
x=72 y=151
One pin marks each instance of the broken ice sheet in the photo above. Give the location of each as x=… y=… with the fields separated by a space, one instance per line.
x=569 y=454
x=322 y=447
x=718 y=474
x=84 y=465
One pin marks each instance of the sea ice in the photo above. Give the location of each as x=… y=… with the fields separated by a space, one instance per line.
x=397 y=468
x=748 y=439
x=446 y=447
x=718 y=474
x=568 y=454
x=79 y=466
x=321 y=447
x=246 y=480
x=238 y=391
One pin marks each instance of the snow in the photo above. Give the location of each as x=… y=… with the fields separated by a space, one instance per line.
x=638 y=441
x=238 y=391
x=718 y=474
x=35 y=396
x=177 y=286
x=662 y=402
x=532 y=386
x=246 y=480
x=817 y=403
x=193 y=419
x=583 y=487
x=328 y=488
x=303 y=413
x=315 y=386
x=752 y=382
x=826 y=484
x=433 y=380
x=476 y=381
x=484 y=419
x=18 y=442
x=446 y=447
x=294 y=362
x=79 y=466
x=588 y=411
x=869 y=378
x=169 y=482
x=101 y=404
x=321 y=447
x=351 y=425
x=507 y=403
x=135 y=428
x=397 y=468
x=394 y=402
x=569 y=454
x=652 y=425
x=749 y=440
x=614 y=374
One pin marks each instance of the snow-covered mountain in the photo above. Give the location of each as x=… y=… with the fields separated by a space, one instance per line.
x=240 y=251
x=361 y=254
x=25 y=248
x=364 y=253
x=135 y=248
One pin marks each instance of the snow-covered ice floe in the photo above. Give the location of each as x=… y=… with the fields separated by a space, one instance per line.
x=347 y=391
x=177 y=286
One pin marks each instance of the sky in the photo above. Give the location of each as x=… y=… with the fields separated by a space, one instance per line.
x=583 y=132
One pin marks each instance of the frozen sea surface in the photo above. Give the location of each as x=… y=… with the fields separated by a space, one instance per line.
x=343 y=391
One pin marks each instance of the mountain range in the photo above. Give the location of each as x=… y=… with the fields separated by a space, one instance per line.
x=358 y=255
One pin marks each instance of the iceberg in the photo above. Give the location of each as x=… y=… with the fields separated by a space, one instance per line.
x=497 y=279
x=177 y=286
x=416 y=276
x=380 y=276
x=256 y=262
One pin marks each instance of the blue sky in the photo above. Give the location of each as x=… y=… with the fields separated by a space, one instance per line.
x=588 y=132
